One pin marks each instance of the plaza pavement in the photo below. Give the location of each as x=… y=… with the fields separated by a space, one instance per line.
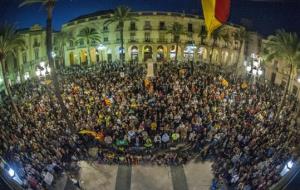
x=192 y=176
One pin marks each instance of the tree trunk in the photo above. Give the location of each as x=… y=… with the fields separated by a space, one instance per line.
x=89 y=54
x=238 y=58
x=122 y=41
x=7 y=88
x=176 y=50
x=63 y=57
x=57 y=91
x=285 y=92
x=212 y=52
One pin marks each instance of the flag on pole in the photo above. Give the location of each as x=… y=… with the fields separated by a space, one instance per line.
x=216 y=13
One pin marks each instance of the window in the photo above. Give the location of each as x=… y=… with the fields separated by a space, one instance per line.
x=147 y=37
x=81 y=42
x=132 y=26
x=36 y=53
x=105 y=39
x=161 y=37
x=36 y=43
x=147 y=25
x=132 y=36
x=71 y=43
x=24 y=57
x=118 y=38
x=190 y=27
x=118 y=27
x=162 y=25
x=105 y=28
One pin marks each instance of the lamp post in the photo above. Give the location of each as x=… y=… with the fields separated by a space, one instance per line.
x=101 y=47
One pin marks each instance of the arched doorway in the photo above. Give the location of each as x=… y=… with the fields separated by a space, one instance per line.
x=160 y=53
x=173 y=52
x=215 y=57
x=147 y=53
x=225 y=56
x=93 y=55
x=201 y=52
x=83 y=57
x=134 y=53
x=189 y=52
x=71 y=58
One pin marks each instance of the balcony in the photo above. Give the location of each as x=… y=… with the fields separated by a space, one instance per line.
x=162 y=41
x=70 y=48
x=162 y=28
x=81 y=45
x=132 y=29
x=148 y=40
x=94 y=44
x=147 y=27
x=132 y=41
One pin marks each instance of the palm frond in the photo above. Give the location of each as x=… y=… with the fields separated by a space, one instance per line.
x=28 y=2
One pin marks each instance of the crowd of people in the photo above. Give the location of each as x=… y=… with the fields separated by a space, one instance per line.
x=138 y=121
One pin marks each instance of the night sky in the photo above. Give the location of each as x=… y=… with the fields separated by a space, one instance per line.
x=266 y=15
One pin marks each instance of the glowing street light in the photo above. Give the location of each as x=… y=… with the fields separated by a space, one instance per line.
x=53 y=54
x=11 y=172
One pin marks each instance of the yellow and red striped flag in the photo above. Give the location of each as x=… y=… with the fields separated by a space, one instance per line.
x=216 y=13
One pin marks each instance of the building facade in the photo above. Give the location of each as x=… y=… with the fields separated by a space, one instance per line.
x=146 y=38
x=277 y=72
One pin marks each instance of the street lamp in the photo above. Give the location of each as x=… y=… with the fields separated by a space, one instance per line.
x=101 y=47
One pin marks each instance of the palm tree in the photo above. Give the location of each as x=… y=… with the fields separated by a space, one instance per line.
x=90 y=35
x=61 y=40
x=176 y=30
x=225 y=36
x=240 y=36
x=202 y=35
x=9 y=42
x=216 y=36
x=49 y=5
x=286 y=47
x=120 y=16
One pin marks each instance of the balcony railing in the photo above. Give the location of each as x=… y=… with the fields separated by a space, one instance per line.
x=71 y=48
x=132 y=41
x=132 y=28
x=147 y=27
x=162 y=28
x=162 y=41
x=81 y=45
x=148 y=40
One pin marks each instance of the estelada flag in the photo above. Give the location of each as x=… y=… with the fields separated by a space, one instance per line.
x=216 y=13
